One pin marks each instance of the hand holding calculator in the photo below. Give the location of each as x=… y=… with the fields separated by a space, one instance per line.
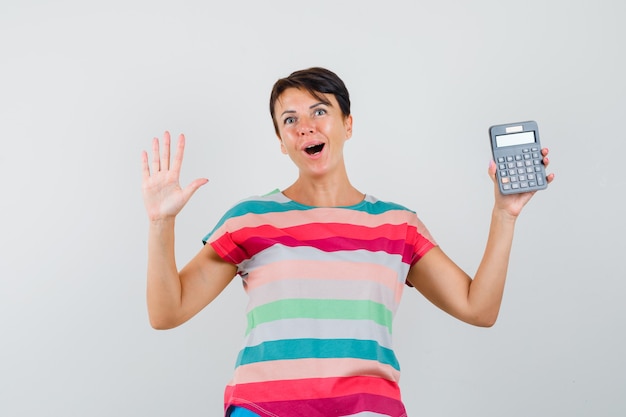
x=517 y=152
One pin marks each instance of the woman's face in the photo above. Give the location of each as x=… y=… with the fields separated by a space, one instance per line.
x=312 y=132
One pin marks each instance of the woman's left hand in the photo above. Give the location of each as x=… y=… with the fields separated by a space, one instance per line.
x=512 y=204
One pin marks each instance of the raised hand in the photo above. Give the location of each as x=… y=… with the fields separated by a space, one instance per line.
x=163 y=196
x=513 y=204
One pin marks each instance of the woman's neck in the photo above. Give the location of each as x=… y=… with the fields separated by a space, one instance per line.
x=323 y=193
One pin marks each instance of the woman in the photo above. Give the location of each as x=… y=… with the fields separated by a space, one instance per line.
x=324 y=266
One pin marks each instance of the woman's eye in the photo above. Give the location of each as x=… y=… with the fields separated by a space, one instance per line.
x=289 y=120
x=320 y=112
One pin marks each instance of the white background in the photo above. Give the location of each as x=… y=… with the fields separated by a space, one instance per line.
x=84 y=87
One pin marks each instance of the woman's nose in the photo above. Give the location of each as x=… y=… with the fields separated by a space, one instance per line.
x=305 y=127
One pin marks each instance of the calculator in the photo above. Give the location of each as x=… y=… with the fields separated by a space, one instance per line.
x=517 y=153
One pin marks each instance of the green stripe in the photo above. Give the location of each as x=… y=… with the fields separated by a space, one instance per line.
x=320 y=309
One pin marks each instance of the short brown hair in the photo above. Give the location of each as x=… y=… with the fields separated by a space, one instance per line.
x=316 y=81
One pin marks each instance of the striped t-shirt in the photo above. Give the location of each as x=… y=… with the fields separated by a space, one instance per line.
x=324 y=284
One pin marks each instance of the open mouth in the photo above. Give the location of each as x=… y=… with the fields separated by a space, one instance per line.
x=312 y=150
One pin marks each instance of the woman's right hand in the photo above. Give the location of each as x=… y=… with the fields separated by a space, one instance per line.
x=162 y=194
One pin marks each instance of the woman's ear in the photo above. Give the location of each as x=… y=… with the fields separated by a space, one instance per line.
x=348 y=126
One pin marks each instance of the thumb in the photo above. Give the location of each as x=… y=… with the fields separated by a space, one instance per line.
x=492 y=170
x=193 y=187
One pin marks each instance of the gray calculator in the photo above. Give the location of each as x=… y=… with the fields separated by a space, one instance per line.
x=517 y=152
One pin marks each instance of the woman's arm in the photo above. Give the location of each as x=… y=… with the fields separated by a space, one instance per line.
x=175 y=297
x=476 y=301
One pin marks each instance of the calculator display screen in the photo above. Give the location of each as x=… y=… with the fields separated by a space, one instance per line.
x=515 y=139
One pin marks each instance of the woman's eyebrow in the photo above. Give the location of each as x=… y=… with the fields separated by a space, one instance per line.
x=321 y=103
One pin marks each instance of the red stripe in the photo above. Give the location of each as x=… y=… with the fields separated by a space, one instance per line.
x=315 y=231
x=340 y=406
x=396 y=247
x=228 y=250
x=401 y=240
x=310 y=389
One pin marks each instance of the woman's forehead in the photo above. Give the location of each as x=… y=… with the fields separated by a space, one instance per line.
x=297 y=96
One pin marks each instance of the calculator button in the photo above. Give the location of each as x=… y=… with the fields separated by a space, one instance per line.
x=521 y=170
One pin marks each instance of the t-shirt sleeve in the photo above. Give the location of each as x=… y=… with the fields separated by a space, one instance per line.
x=220 y=238
x=421 y=242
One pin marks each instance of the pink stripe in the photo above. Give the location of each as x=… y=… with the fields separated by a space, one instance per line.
x=312 y=368
x=325 y=270
x=285 y=219
x=310 y=389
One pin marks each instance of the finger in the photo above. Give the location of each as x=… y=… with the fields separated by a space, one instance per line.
x=193 y=187
x=550 y=178
x=165 y=155
x=492 y=170
x=156 y=165
x=180 y=151
x=145 y=167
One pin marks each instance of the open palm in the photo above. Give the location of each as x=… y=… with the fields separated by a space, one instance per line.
x=162 y=194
